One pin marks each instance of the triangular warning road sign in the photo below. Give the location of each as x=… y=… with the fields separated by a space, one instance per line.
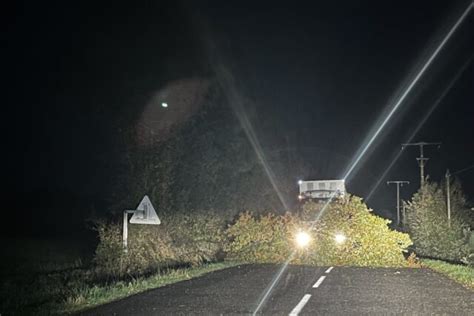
x=145 y=213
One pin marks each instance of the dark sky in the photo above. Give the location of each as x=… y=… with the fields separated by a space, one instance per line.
x=327 y=71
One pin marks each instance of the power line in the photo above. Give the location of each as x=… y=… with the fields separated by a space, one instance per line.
x=462 y=170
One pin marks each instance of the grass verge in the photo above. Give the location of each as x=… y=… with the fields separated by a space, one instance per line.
x=459 y=273
x=88 y=297
x=68 y=291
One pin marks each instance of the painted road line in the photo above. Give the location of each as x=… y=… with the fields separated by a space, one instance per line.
x=318 y=283
x=329 y=270
x=300 y=305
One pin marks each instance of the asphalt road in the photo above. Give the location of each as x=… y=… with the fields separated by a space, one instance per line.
x=302 y=291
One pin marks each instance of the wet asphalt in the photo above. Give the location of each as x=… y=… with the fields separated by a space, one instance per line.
x=342 y=291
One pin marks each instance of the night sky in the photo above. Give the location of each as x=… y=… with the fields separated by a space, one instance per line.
x=76 y=74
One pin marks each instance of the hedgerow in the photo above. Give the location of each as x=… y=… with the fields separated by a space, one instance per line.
x=181 y=240
x=434 y=236
x=270 y=238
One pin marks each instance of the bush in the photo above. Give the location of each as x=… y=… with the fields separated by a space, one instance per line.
x=427 y=222
x=263 y=239
x=270 y=238
x=180 y=240
x=197 y=238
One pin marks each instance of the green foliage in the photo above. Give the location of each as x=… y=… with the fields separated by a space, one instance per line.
x=67 y=291
x=270 y=238
x=90 y=295
x=180 y=240
x=460 y=273
x=427 y=221
x=198 y=237
x=264 y=239
x=370 y=241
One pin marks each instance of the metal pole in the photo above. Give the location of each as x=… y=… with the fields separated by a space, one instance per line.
x=448 y=191
x=422 y=159
x=398 y=204
x=422 y=167
x=448 y=197
x=125 y=231
x=404 y=220
x=398 y=183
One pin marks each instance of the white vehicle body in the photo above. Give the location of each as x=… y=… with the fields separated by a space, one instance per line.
x=321 y=189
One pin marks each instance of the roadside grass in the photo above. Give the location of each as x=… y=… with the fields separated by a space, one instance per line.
x=73 y=290
x=33 y=273
x=44 y=277
x=28 y=256
x=459 y=273
x=88 y=297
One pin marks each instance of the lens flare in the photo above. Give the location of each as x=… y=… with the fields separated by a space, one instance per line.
x=227 y=82
x=365 y=147
x=266 y=294
x=340 y=238
x=302 y=239
x=419 y=126
x=408 y=89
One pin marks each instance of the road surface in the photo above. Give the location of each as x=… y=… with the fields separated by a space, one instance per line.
x=302 y=291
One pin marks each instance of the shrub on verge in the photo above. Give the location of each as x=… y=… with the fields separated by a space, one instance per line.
x=180 y=240
x=368 y=240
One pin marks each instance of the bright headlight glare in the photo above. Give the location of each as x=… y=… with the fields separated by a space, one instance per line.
x=340 y=238
x=302 y=239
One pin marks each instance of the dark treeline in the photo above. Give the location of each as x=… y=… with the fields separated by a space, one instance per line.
x=209 y=164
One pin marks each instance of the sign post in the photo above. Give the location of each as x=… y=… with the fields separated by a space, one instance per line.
x=144 y=214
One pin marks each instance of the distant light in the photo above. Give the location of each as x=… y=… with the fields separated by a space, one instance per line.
x=164 y=104
x=300 y=197
x=300 y=182
x=340 y=238
x=302 y=239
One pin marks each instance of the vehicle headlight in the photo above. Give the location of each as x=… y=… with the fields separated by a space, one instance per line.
x=340 y=238
x=302 y=239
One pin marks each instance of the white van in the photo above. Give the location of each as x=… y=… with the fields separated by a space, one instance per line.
x=321 y=189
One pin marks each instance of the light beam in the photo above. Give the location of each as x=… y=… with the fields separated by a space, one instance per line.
x=402 y=98
x=235 y=100
x=394 y=108
x=419 y=126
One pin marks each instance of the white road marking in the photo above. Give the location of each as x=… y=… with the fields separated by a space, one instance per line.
x=300 y=305
x=318 y=283
x=329 y=270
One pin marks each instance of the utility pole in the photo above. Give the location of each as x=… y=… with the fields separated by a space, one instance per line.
x=398 y=183
x=448 y=197
x=404 y=215
x=448 y=191
x=422 y=159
